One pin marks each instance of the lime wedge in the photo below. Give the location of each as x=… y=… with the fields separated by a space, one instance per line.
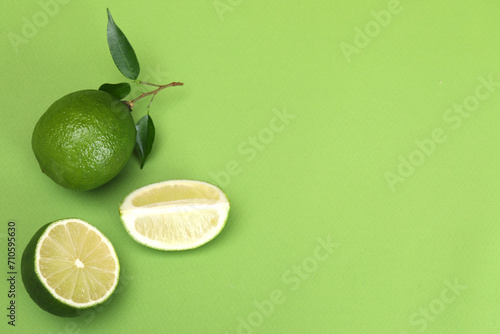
x=69 y=265
x=175 y=215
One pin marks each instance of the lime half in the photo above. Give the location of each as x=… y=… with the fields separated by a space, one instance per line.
x=69 y=265
x=175 y=215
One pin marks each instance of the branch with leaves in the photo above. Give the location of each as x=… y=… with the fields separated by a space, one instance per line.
x=126 y=61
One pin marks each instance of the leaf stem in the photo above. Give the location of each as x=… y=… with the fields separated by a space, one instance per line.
x=153 y=92
x=149 y=104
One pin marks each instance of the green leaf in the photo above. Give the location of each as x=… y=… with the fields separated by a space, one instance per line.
x=121 y=51
x=118 y=91
x=145 y=138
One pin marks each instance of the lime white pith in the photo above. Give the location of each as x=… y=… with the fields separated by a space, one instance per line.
x=175 y=215
x=76 y=263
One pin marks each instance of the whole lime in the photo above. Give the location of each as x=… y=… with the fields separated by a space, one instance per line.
x=84 y=139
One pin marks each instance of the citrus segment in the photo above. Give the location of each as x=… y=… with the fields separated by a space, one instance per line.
x=175 y=215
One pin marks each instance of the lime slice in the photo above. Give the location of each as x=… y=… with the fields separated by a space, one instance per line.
x=175 y=215
x=69 y=265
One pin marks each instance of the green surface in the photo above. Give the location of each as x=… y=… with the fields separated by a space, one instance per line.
x=317 y=240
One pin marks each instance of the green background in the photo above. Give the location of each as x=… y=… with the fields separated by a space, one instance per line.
x=360 y=105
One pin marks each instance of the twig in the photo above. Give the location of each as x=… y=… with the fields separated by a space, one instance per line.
x=153 y=92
